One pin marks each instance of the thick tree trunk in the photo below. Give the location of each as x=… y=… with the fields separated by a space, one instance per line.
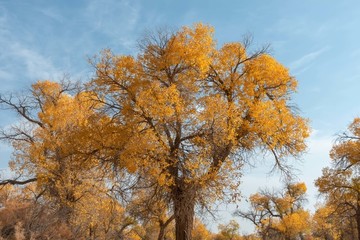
x=184 y=208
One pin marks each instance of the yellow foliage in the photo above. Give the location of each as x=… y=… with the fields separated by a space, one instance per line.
x=200 y=232
x=340 y=185
x=182 y=90
x=182 y=114
x=294 y=223
x=281 y=212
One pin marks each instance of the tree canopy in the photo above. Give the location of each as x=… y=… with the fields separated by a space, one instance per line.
x=182 y=115
x=340 y=183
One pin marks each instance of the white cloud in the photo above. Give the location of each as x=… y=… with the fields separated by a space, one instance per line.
x=316 y=158
x=20 y=60
x=52 y=14
x=290 y=26
x=318 y=142
x=303 y=63
x=6 y=75
x=116 y=19
x=37 y=66
x=4 y=23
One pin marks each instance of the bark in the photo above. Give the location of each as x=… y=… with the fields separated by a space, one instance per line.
x=161 y=233
x=184 y=208
x=358 y=222
x=163 y=226
x=357 y=216
x=17 y=182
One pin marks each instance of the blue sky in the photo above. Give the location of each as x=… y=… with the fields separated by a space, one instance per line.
x=318 y=41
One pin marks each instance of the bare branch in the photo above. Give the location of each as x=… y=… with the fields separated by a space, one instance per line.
x=17 y=182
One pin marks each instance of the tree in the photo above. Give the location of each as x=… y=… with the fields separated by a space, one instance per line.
x=229 y=231
x=200 y=232
x=279 y=215
x=24 y=217
x=326 y=225
x=195 y=113
x=340 y=184
x=182 y=114
x=60 y=145
x=150 y=205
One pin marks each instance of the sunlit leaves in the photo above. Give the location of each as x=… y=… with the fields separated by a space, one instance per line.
x=279 y=213
x=340 y=183
x=182 y=115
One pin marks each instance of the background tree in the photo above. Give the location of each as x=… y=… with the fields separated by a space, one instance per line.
x=279 y=215
x=200 y=232
x=150 y=205
x=23 y=216
x=60 y=144
x=340 y=184
x=182 y=114
x=326 y=225
x=195 y=113
x=228 y=231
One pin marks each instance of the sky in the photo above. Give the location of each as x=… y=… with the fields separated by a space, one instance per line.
x=317 y=40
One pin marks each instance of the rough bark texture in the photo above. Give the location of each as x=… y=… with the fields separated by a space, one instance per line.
x=184 y=208
x=358 y=221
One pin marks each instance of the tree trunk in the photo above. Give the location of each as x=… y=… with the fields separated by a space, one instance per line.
x=184 y=208
x=161 y=233
x=357 y=216
x=358 y=222
x=163 y=226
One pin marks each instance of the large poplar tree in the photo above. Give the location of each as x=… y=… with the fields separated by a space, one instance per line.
x=182 y=114
x=195 y=112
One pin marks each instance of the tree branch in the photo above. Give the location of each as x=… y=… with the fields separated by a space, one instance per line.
x=17 y=182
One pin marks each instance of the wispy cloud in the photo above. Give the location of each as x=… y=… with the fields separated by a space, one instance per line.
x=317 y=157
x=51 y=13
x=23 y=63
x=20 y=59
x=303 y=63
x=3 y=21
x=6 y=75
x=320 y=143
x=37 y=66
x=297 y=26
x=116 y=19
